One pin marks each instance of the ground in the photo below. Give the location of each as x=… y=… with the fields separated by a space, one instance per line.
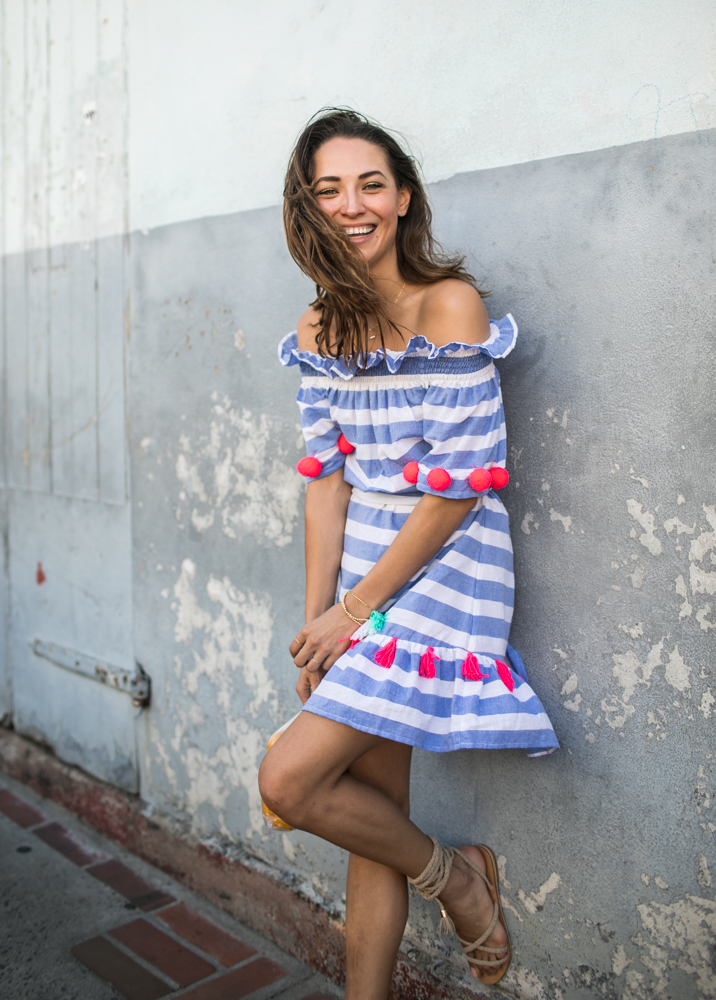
x=72 y=902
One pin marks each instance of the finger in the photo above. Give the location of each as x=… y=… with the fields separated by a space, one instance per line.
x=296 y=643
x=337 y=652
x=303 y=688
x=315 y=663
x=304 y=655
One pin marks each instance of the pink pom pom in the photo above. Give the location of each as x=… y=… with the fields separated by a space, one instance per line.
x=385 y=656
x=411 y=471
x=500 y=477
x=505 y=675
x=427 y=663
x=344 y=445
x=479 y=480
x=439 y=479
x=471 y=669
x=309 y=467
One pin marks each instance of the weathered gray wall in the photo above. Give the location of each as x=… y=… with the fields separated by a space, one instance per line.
x=606 y=260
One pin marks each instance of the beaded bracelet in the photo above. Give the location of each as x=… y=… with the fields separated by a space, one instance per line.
x=358 y=621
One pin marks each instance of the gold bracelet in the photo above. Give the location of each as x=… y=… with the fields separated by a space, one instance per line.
x=359 y=599
x=358 y=621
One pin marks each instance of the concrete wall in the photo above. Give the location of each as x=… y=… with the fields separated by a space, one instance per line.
x=571 y=158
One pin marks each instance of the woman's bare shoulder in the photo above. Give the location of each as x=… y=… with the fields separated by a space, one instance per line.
x=307 y=329
x=452 y=310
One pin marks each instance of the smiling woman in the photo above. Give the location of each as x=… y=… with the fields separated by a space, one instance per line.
x=409 y=584
x=358 y=223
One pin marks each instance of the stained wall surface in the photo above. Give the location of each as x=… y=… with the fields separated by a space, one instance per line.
x=151 y=437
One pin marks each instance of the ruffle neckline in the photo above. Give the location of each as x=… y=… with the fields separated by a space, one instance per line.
x=503 y=334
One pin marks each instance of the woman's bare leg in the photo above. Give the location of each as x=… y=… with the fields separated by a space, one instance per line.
x=305 y=779
x=376 y=896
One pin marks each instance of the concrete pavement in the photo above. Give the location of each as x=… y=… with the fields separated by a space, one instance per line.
x=82 y=918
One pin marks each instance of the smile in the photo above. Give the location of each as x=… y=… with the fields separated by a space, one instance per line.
x=360 y=230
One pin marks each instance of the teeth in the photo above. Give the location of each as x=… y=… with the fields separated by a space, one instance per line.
x=362 y=231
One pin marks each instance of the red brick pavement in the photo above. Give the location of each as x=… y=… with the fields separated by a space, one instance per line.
x=175 y=963
x=206 y=936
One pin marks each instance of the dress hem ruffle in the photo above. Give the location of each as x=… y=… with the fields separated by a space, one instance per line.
x=543 y=744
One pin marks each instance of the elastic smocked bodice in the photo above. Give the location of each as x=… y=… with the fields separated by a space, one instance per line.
x=419 y=356
x=416 y=365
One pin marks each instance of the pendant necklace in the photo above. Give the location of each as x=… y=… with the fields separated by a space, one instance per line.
x=395 y=301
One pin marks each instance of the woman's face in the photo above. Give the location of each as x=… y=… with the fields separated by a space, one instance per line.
x=355 y=186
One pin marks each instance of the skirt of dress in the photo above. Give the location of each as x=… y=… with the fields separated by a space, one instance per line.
x=436 y=676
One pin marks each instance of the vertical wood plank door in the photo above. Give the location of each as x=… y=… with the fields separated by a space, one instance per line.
x=65 y=246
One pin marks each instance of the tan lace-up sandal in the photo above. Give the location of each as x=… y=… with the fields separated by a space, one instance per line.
x=432 y=881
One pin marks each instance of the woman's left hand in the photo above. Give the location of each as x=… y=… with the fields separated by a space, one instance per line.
x=321 y=641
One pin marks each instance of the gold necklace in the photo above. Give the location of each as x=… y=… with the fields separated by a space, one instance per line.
x=395 y=301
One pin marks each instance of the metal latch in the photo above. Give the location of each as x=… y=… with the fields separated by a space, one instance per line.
x=135 y=683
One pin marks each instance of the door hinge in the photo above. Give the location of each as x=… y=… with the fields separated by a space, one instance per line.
x=136 y=683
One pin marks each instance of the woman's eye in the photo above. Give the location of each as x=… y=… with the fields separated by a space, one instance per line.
x=325 y=191
x=373 y=185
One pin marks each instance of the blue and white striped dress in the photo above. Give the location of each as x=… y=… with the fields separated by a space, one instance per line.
x=442 y=408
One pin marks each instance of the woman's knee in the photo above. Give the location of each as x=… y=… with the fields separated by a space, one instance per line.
x=281 y=788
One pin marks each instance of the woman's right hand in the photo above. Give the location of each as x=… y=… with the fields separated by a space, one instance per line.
x=308 y=681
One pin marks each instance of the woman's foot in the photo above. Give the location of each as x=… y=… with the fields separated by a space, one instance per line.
x=468 y=903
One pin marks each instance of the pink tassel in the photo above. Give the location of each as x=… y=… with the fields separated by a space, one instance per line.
x=354 y=642
x=471 y=669
x=505 y=675
x=427 y=663
x=385 y=656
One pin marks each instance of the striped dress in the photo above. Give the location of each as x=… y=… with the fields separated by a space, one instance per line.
x=439 y=674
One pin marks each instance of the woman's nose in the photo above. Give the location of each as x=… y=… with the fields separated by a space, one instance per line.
x=352 y=204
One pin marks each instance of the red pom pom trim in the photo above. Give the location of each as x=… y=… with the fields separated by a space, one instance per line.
x=471 y=669
x=439 y=479
x=505 y=675
x=427 y=663
x=309 y=467
x=480 y=480
x=344 y=445
x=500 y=477
x=385 y=656
x=411 y=472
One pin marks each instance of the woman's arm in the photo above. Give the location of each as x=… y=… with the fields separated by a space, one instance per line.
x=326 y=509
x=422 y=536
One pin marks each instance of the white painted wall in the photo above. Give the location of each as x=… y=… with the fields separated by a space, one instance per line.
x=217 y=92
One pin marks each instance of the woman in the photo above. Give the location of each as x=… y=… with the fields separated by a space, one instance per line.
x=403 y=421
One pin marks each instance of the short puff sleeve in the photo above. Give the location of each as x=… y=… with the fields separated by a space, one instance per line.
x=320 y=431
x=464 y=428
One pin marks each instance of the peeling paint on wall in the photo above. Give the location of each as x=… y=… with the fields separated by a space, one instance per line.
x=236 y=473
x=224 y=684
x=679 y=935
x=648 y=539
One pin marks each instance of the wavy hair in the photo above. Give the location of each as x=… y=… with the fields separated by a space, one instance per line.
x=345 y=294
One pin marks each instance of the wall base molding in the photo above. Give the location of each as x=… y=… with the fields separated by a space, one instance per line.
x=291 y=921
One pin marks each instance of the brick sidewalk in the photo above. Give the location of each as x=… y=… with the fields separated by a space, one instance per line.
x=170 y=949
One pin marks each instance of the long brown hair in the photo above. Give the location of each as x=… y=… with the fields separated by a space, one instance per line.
x=345 y=295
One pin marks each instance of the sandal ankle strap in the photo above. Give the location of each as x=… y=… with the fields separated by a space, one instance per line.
x=434 y=877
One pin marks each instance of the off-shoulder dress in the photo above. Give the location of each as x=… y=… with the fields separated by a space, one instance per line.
x=439 y=674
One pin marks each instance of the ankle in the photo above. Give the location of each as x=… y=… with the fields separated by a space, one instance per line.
x=458 y=883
